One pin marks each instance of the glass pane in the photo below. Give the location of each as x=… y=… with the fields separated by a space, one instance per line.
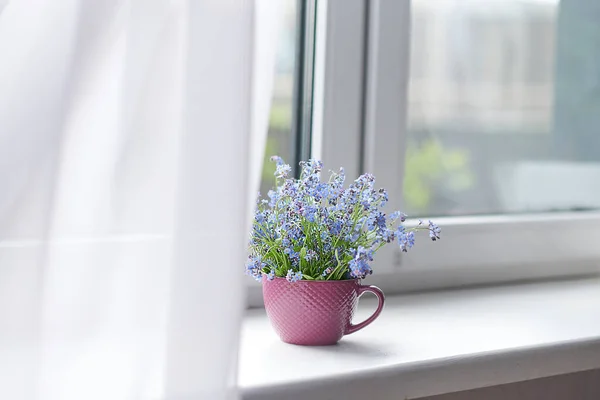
x=504 y=107
x=280 y=139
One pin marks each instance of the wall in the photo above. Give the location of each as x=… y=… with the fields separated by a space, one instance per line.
x=577 y=386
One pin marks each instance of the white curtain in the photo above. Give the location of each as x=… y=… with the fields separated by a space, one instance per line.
x=124 y=177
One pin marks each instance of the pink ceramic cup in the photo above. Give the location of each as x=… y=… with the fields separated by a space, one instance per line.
x=315 y=313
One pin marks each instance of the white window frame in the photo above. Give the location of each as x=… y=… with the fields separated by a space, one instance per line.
x=359 y=119
x=473 y=249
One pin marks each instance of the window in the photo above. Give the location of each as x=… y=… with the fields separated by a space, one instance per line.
x=487 y=143
x=280 y=138
x=482 y=114
x=289 y=123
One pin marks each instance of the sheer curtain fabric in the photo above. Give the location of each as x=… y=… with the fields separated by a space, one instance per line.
x=125 y=174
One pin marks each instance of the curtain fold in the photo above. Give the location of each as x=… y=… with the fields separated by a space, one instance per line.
x=125 y=129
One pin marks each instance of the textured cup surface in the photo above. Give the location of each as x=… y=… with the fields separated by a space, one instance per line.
x=315 y=313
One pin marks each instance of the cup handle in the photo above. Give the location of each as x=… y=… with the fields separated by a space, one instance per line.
x=380 y=296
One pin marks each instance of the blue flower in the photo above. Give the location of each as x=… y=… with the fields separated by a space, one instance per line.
x=293 y=255
x=335 y=227
x=274 y=196
x=293 y=276
x=365 y=181
x=383 y=196
x=259 y=217
x=388 y=235
x=310 y=212
x=434 y=231
x=289 y=188
x=337 y=183
x=406 y=240
x=410 y=239
x=311 y=167
x=397 y=214
x=377 y=221
x=352 y=237
x=362 y=252
x=254 y=267
x=258 y=234
x=326 y=222
x=282 y=170
x=310 y=255
x=359 y=268
x=321 y=191
x=276 y=159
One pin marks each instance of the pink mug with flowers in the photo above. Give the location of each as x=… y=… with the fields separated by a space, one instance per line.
x=311 y=244
x=316 y=313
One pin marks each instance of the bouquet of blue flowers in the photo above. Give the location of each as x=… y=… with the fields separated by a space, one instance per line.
x=313 y=230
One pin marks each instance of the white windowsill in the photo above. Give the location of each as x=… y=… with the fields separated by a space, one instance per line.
x=433 y=343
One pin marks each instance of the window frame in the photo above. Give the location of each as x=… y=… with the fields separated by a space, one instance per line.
x=361 y=81
x=473 y=249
